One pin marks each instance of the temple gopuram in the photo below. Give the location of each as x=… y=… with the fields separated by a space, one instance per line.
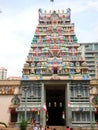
x=55 y=80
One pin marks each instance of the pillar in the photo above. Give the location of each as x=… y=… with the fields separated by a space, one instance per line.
x=43 y=100
x=68 y=106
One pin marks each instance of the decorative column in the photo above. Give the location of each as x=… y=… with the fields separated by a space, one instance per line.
x=43 y=100
x=25 y=91
x=68 y=106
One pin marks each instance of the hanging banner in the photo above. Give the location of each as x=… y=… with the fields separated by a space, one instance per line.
x=44 y=107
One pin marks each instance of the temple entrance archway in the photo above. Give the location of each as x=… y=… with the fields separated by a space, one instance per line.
x=55 y=100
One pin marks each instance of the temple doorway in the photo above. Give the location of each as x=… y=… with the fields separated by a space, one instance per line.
x=55 y=101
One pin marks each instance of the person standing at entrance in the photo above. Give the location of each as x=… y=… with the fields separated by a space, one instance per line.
x=67 y=128
x=47 y=128
x=35 y=127
x=41 y=127
x=31 y=123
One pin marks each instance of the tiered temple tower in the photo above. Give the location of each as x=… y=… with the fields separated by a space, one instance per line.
x=55 y=73
x=54 y=52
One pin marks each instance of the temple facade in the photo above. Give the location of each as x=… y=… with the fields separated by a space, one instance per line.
x=55 y=81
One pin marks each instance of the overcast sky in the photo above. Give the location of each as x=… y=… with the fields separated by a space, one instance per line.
x=19 y=19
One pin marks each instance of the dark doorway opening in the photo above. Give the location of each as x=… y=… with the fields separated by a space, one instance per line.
x=55 y=101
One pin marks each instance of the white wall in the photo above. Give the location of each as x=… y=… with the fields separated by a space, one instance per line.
x=5 y=102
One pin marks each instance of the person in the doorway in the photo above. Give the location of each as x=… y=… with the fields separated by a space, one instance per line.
x=47 y=128
x=35 y=127
x=34 y=121
x=41 y=127
x=54 y=129
x=67 y=128
x=31 y=122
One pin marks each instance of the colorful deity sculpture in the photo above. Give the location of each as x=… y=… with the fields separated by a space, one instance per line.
x=75 y=39
x=61 y=39
x=84 y=68
x=49 y=29
x=59 y=29
x=69 y=39
x=55 y=50
x=72 y=29
x=67 y=67
x=71 y=68
x=48 y=39
x=37 y=30
x=77 y=67
x=34 y=40
x=40 y=39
